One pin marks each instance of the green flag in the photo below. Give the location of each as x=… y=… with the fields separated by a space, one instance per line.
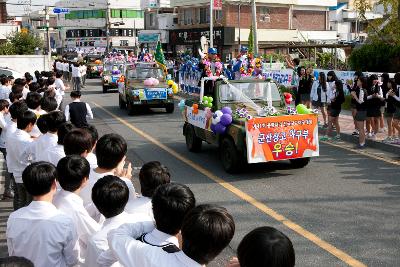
x=159 y=56
x=250 y=40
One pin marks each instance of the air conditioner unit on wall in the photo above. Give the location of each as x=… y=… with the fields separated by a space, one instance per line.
x=265 y=18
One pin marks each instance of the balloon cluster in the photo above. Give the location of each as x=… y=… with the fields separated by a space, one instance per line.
x=97 y=61
x=115 y=72
x=182 y=105
x=173 y=85
x=151 y=82
x=195 y=108
x=208 y=101
x=302 y=109
x=243 y=113
x=221 y=120
x=288 y=98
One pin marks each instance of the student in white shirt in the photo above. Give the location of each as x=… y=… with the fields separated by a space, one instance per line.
x=151 y=175
x=171 y=203
x=76 y=76
x=110 y=195
x=83 y=69
x=5 y=88
x=73 y=173
x=111 y=154
x=91 y=157
x=33 y=100
x=55 y=153
x=78 y=112
x=65 y=66
x=78 y=142
x=40 y=232
x=16 y=146
x=60 y=88
x=37 y=151
x=206 y=231
x=5 y=119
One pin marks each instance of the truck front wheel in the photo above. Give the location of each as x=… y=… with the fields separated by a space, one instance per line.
x=170 y=108
x=193 y=143
x=232 y=159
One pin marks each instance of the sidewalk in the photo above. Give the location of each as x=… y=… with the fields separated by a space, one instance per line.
x=347 y=128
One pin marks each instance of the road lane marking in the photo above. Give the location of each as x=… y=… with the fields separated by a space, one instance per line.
x=363 y=153
x=341 y=255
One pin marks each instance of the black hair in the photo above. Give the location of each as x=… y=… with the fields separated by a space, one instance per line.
x=11 y=77
x=385 y=80
x=266 y=246
x=110 y=150
x=33 y=87
x=20 y=81
x=17 y=88
x=14 y=261
x=110 y=195
x=72 y=170
x=364 y=82
x=54 y=120
x=63 y=130
x=322 y=76
x=397 y=78
x=359 y=74
x=50 y=81
x=333 y=75
x=27 y=74
x=373 y=77
x=77 y=141
x=49 y=104
x=75 y=94
x=296 y=61
x=17 y=109
x=206 y=231
x=28 y=79
x=26 y=118
x=4 y=104
x=299 y=70
x=59 y=74
x=171 y=202
x=33 y=100
x=93 y=132
x=15 y=96
x=152 y=175
x=4 y=80
x=39 y=177
x=50 y=93
x=41 y=123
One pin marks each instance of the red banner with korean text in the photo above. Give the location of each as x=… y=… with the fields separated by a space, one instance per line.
x=217 y=4
x=282 y=137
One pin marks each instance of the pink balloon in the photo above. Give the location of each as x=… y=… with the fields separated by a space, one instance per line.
x=148 y=82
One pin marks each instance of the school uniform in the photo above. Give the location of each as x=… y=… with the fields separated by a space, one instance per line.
x=66 y=71
x=5 y=92
x=92 y=159
x=37 y=151
x=318 y=95
x=60 y=91
x=141 y=205
x=16 y=145
x=76 y=77
x=396 y=97
x=361 y=105
x=42 y=234
x=72 y=205
x=374 y=103
x=9 y=182
x=54 y=154
x=35 y=131
x=77 y=112
x=304 y=89
x=130 y=251
x=98 y=242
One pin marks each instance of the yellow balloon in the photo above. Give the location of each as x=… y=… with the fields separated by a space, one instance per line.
x=170 y=82
x=175 y=88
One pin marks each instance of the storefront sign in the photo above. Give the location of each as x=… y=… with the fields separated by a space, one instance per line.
x=86 y=42
x=148 y=37
x=282 y=137
x=217 y=4
x=222 y=36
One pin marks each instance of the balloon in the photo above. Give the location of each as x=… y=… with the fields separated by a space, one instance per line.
x=210 y=99
x=212 y=127
x=148 y=82
x=175 y=88
x=226 y=119
x=227 y=110
x=219 y=113
x=302 y=109
x=215 y=120
x=181 y=105
x=219 y=128
x=170 y=82
x=205 y=103
x=210 y=105
x=205 y=98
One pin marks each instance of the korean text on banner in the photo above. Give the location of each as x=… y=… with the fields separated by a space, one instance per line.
x=282 y=137
x=217 y=4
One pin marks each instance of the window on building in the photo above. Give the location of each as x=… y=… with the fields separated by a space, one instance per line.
x=175 y=20
x=126 y=13
x=218 y=15
x=86 y=14
x=152 y=21
x=204 y=15
x=123 y=42
x=265 y=14
x=188 y=16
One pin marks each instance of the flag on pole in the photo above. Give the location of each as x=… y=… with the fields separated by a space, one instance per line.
x=159 y=56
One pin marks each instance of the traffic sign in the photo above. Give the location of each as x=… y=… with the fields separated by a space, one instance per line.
x=59 y=10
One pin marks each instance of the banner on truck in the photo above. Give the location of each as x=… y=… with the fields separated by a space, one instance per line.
x=282 y=137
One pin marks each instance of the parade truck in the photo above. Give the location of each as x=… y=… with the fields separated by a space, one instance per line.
x=113 y=73
x=249 y=121
x=145 y=87
x=94 y=66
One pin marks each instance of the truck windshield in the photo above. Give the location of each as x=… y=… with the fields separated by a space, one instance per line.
x=110 y=67
x=144 y=73
x=258 y=92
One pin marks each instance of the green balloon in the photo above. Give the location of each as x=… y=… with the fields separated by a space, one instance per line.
x=205 y=102
x=209 y=105
x=302 y=109
x=205 y=98
x=210 y=99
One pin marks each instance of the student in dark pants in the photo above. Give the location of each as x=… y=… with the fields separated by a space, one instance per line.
x=78 y=112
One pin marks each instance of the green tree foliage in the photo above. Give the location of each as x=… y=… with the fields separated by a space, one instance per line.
x=21 y=43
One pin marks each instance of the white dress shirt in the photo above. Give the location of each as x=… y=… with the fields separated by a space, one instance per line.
x=5 y=119
x=55 y=153
x=89 y=111
x=42 y=234
x=76 y=72
x=98 y=242
x=91 y=157
x=131 y=252
x=5 y=92
x=37 y=151
x=60 y=90
x=10 y=129
x=72 y=205
x=16 y=145
x=140 y=205
x=25 y=92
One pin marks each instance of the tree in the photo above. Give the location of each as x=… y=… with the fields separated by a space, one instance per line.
x=250 y=40
x=21 y=43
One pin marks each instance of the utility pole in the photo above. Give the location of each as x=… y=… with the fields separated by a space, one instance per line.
x=108 y=25
x=239 y=9
x=211 y=24
x=254 y=16
x=48 y=35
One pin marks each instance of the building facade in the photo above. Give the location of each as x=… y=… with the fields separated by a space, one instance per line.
x=88 y=24
x=278 y=22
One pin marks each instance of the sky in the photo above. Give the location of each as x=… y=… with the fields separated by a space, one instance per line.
x=14 y=10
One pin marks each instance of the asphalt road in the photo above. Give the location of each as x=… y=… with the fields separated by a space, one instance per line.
x=342 y=209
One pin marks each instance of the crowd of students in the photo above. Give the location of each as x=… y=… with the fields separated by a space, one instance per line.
x=75 y=203
x=74 y=72
x=372 y=100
